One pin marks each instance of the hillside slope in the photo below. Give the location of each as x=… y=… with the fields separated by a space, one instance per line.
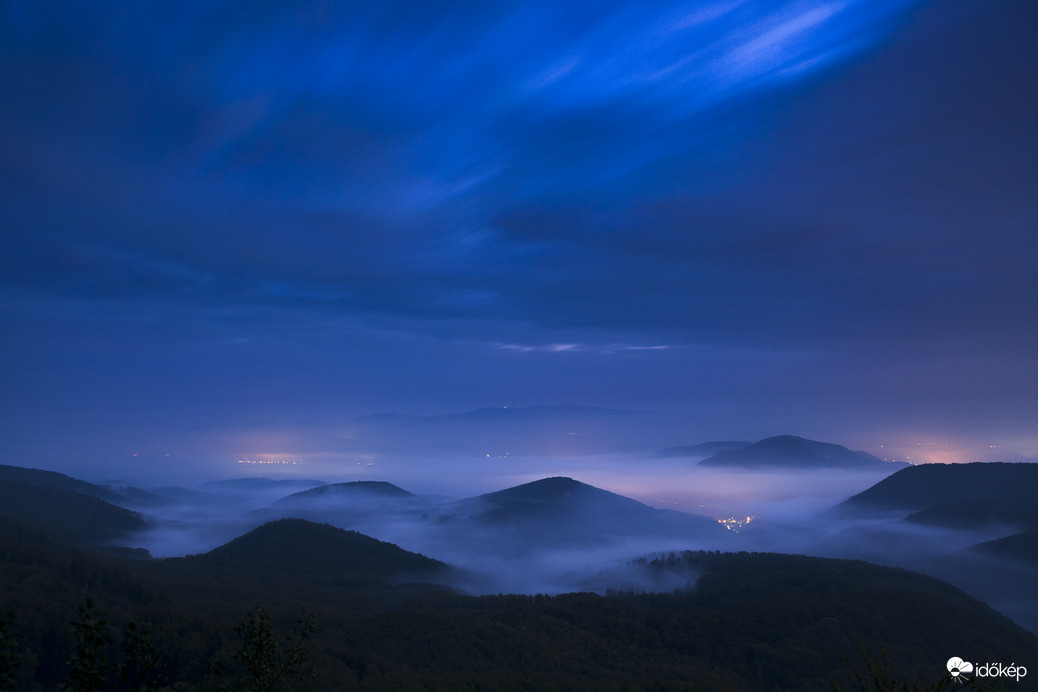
x=930 y=485
x=792 y=452
x=302 y=548
x=72 y=515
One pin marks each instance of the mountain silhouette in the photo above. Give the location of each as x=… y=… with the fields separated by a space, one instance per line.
x=352 y=489
x=1020 y=511
x=917 y=488
x=562 y=509
x=75 y=516
x=53 y=479
x=297 y=547
x=792 y=452
x=1022 y=547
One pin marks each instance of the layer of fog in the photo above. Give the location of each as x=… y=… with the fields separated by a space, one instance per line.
x=791 y=513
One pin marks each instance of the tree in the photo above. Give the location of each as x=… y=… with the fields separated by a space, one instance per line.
x=269 y=664
x=141 y=667
x=9 y=658
x=879 y=676
x=88 y=658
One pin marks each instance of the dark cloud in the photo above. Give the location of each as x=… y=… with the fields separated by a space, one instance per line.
x=466 y=203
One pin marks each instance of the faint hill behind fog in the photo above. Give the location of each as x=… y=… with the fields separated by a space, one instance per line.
x=359 y=489
x=792 y=452
x=561 y=510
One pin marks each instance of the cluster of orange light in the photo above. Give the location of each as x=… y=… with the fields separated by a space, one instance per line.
x=733 y=524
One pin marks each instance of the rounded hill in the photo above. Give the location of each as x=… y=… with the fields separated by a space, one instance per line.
x=304 y=548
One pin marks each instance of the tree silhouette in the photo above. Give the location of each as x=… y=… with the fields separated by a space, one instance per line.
x=142 y=668
x=88 y=659
x=9 y=658
x=270 y=665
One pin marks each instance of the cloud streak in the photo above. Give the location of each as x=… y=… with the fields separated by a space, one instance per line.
x=311 y=211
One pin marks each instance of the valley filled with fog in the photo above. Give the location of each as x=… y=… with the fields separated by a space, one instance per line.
x=535 y=525
x=724 y=565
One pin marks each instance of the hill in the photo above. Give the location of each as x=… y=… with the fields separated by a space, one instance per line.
x=1022 y=547
x=74 y=516
x=792 y=452
x=345 y=491
x=931 y=485
x=368 y=506
x=301 y=548
x=122 y=495
x=1020 y=511
x=53 y=479
x=705 y=449
x=751 y=621
x=557 y=509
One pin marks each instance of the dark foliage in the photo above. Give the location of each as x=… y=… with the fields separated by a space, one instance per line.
x=744 y=621
x=72 y=515
x=264 y=663
x=9 y=658
x=88 y=660
x=751 y=622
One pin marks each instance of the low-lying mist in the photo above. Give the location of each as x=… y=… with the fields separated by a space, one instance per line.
x=560 y=545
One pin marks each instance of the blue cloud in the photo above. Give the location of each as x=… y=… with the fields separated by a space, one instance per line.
x=733 y=172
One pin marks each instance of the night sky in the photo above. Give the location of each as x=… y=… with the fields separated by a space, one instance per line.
x=230 y=228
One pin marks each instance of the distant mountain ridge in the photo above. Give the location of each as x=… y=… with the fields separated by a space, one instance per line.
x=349 y=489
x=792 y=452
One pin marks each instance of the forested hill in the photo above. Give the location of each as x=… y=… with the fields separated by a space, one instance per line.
x=76 y=516
x=53 y=479
x=928 y=485
x=347 y=491
x=749 y=622
x=319 y=551
x=792 y=452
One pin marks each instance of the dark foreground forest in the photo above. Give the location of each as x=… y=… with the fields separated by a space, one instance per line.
x=241 y=618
